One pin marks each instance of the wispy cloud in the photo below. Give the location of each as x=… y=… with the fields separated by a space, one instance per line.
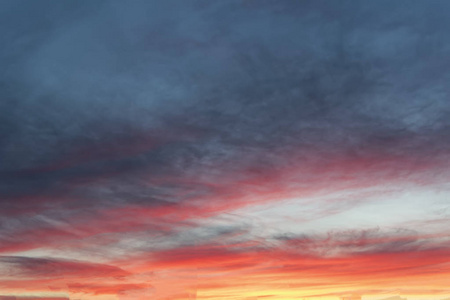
x=148 y=149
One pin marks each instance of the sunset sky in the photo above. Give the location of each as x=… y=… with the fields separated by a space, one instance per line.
x=236 y=150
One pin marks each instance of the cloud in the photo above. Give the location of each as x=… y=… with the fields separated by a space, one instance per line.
x=25 y=267
x=31 y=298
x=128 y=131
x=361 y=241
x=368 y=258
x=279 y=97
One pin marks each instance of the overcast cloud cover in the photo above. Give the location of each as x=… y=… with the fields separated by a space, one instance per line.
x=187 y=149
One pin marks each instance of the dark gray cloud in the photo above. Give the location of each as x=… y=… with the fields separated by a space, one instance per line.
x=32 y=267
x=153 y=104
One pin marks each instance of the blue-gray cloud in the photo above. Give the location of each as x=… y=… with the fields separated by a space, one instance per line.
x=108 y=103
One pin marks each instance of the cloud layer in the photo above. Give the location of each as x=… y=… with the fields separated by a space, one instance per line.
x=223 y=150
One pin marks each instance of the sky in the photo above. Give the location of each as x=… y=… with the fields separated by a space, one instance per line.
x=236 y=150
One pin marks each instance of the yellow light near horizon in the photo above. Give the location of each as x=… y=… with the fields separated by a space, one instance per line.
x=261 y=293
